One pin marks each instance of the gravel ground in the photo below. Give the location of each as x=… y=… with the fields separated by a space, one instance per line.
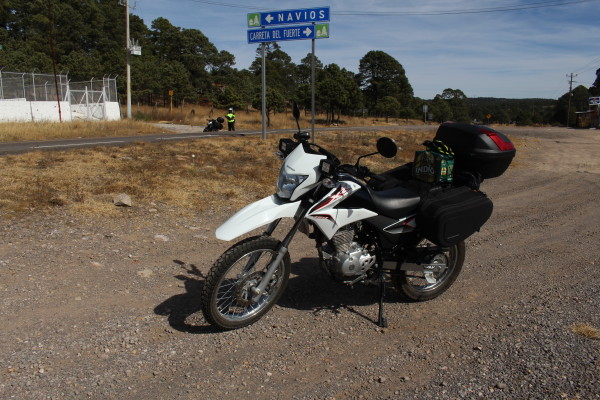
x=107 y=308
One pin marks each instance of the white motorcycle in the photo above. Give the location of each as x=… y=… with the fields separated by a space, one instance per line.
x=368 y=228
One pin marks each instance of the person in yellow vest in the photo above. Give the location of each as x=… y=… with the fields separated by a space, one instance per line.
x=230 y=120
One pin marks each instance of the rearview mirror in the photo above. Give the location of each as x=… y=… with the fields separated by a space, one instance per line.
x=387 y=147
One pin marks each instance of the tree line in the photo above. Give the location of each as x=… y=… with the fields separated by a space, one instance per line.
x=86 y=38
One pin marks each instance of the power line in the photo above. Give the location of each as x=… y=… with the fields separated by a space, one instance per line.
x=231 y=5
x=595 y=63
x=540 y=4
x=465 y=11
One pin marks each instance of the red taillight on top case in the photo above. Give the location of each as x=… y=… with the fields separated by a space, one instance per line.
x=502 y=145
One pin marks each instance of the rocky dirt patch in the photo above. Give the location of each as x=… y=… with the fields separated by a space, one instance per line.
x=108 y=307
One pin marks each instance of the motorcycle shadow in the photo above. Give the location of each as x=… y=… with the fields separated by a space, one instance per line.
x=184 y=310
x=310 y=288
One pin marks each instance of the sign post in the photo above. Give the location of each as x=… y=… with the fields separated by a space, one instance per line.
x=264 y=92
x=312 y=92
x=306 y=23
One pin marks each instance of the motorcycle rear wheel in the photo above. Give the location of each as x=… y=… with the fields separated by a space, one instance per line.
x=414 y=286
x=227 y=296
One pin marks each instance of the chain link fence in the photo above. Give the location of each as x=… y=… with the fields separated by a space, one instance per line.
x=106 y=85
x=32 y=86
x=88 y=99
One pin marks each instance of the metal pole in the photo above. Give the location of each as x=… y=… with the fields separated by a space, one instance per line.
x=87 y=103
x=264 y=94
x=104 y=116
x=33 y=85
x=313 y=85
x=62 y=96
x=570 y=95
x=53 y=52
x=128 y=63
x=68 y=98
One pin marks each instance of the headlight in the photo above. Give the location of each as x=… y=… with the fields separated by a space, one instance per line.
x=287 y=183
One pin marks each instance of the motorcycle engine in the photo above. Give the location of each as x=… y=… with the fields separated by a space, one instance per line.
x=344 y=257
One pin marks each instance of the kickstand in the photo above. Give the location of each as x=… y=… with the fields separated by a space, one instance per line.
x=382 y=321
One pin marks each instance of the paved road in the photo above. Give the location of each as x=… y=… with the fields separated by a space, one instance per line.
x=175 y=133
x=186 y=132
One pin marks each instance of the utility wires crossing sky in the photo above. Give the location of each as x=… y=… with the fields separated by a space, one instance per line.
x=528 y=6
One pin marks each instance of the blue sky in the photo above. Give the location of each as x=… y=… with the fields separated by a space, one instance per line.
x=513 y=54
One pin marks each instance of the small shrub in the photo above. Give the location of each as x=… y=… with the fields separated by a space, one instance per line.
x=586 y=330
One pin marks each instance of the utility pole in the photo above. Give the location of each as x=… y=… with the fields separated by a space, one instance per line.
x=570 y=76
x=52 y=40
x=128 y=51
x=263 y=74
x=128 y=60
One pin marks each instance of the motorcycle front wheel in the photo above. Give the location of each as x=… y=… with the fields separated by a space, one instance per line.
x=227 y=297
x=423 y=286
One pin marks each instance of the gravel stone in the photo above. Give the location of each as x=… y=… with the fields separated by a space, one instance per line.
x=102 y=308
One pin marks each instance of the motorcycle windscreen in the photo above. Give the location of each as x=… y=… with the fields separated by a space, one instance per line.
x=300 y=162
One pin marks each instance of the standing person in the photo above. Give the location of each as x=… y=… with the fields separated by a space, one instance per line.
x=230 y=120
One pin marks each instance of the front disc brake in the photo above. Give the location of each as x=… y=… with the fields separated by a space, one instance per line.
x=244 y=288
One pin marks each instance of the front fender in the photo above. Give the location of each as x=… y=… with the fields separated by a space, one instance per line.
x=255 y=215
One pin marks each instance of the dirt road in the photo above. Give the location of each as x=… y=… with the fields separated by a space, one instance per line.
x=107 y=308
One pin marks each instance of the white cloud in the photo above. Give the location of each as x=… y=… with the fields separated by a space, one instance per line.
x=503 y=54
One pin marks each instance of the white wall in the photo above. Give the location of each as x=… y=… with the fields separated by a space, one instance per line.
x=48 y=111
x=113 y=111
x=20 y=110
x=33 y=111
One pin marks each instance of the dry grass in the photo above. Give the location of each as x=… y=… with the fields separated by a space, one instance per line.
x=586 y=330
x=146 y=115
x=522 y=145
x=197 y=116
x=28 y=131
x=220 y=174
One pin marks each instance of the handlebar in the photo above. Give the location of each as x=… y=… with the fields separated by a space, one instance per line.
x=377 y=178
x=361 y=172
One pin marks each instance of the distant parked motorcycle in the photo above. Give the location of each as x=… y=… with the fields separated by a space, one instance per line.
x=406 y=225
x=214 y=125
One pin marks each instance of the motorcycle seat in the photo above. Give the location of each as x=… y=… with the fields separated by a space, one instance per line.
x=396 y=202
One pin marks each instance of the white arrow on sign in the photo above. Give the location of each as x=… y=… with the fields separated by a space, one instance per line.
x=307 y=31
x=269 y=18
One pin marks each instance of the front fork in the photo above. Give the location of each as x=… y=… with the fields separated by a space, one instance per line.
x=272 y=227
x=281 y=251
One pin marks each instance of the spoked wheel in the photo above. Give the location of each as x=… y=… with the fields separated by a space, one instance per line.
x=427 y=285
x=228 y=299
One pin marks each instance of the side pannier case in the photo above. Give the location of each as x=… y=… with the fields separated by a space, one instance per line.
x=477 y=149
x=452 y=216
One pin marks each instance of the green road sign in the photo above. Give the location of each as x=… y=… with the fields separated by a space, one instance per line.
x=254 y=20
x=322 y=31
